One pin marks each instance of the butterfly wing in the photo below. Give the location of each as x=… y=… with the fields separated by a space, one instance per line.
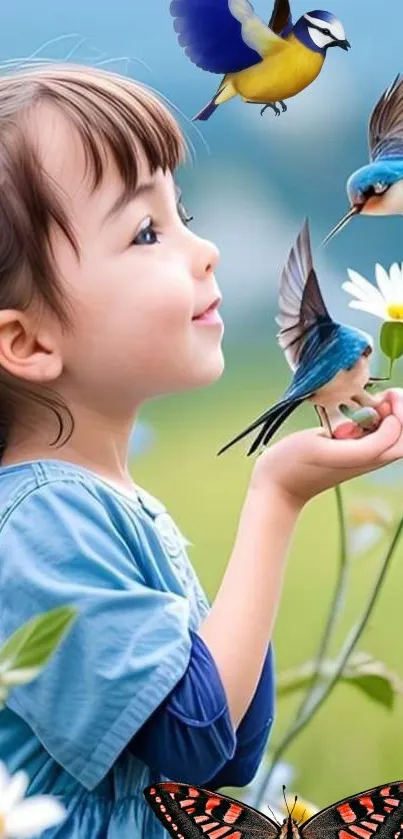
x=385 y=131
x=376 y=813
x=189 y=812
x=301 y=305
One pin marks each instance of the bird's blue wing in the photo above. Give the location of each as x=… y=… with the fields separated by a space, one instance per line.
x=281 y=20
x=301 y=305
x=385 y=131
x=211 y=36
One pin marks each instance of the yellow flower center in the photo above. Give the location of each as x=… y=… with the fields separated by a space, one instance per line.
x=2 y=827
x=395 y=311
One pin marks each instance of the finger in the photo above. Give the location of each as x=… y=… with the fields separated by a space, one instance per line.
x=353 y=454
x=384 y=409
x=348 y=431
x=395 y=400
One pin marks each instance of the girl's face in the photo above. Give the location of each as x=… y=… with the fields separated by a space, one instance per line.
x=142 y=278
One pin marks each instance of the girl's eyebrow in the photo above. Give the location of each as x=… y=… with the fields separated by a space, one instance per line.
x=126 y=197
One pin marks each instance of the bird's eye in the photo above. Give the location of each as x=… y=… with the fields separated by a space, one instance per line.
x=326 y=31
x=379 y=187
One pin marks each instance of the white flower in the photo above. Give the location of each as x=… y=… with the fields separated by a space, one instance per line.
x=384 y=301
x=272 y=799
x=21 y=819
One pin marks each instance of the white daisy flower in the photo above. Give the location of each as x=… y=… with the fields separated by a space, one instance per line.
x=386 y=300
x=21 y=819
x=272 y=799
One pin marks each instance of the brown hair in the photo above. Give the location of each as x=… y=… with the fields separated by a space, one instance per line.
x=108 y=111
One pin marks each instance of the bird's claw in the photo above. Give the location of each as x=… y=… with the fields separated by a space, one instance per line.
x=274 y=107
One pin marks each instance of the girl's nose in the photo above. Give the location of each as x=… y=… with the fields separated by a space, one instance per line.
x=206 y=259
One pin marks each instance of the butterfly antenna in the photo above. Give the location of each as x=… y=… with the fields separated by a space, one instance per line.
x=285 y=800
x=295 y=801
x=302 y=818
x=273 y=814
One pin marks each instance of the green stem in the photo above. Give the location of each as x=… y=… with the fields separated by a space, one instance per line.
x=335 y=608
x=336 y=604
x=320 y=695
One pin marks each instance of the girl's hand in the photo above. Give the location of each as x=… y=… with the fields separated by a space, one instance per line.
x=308 y=462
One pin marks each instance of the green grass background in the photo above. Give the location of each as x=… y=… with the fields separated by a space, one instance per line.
x=353 y=743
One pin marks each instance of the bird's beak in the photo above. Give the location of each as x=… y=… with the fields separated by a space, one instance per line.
x=345 y=45
x=355 y=210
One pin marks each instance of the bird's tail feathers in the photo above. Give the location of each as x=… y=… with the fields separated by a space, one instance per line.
x=271 y=421
x=225 y=92
x=207 y=111
x=268 y=431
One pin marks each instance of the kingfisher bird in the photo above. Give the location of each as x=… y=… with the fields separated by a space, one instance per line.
x=377 y=188
x=329 y=360
x=262 y=64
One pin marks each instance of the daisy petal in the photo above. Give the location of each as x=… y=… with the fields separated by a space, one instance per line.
x=15 y=792
x=33 y=816
x=355 y=290
x=396 y=280
x=364 y=284
x=4 y=779
x=384 y=283
x=370 y=307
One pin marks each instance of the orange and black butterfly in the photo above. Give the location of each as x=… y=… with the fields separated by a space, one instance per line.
x=189 y=812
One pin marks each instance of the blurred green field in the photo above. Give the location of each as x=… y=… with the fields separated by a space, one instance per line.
x=353 y=743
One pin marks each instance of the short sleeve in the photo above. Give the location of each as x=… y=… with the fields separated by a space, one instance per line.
x=191 y=735
x=128 y=647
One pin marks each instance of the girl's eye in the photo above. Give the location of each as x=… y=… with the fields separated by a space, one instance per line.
x=183 y=214
x=147 y=235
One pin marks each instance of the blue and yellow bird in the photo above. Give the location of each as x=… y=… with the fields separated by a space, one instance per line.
x=262 y=64
x=377 y=188
x=329 y=360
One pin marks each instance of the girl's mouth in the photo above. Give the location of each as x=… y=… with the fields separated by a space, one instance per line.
x=210 y=315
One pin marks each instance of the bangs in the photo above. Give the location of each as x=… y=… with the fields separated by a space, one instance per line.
x=111 y=113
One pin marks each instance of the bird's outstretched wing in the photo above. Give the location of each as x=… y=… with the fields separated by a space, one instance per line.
x=281 y=20
x=385 y=131
x=301 y=304
x=224 y=36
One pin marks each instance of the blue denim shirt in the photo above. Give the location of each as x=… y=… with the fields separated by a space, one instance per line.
x=69 y=536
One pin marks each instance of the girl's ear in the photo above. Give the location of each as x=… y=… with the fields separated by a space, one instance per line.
x=26 y=351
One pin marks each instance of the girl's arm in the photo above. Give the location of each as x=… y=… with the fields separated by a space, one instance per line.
x=190 y=735
x=240 y=624
x=285 y=477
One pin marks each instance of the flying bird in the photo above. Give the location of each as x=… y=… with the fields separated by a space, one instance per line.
x=262 y=64
x=330 y=361
x=377 y=188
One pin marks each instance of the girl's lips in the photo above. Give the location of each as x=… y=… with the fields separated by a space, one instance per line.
x=209 y=315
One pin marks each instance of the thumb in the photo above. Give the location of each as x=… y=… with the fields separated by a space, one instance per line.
x=352 y=454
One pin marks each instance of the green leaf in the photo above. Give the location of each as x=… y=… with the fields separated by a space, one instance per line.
x=378 y=688
x=29 y=649
x=298 y=678
x=374 y=678
x=391 y=341
x=362 y=671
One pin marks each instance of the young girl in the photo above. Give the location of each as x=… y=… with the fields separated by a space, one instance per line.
x=108 y=299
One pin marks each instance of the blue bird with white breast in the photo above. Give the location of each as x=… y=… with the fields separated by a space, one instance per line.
x=263 y=64
x=377 y=188
x=329 y=360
